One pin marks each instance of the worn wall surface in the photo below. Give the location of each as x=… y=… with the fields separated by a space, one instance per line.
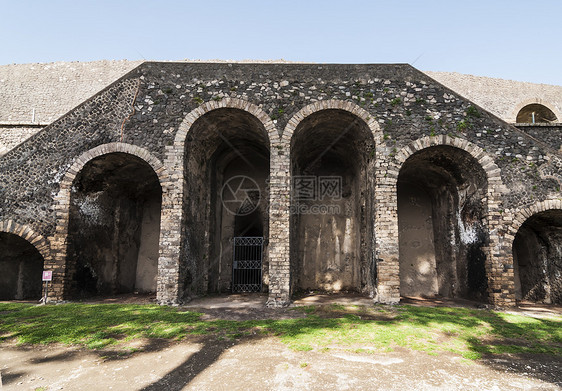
x=503 y=98
x=537 y=252
x=332 y=152
x=114 y=227
x=34 y=95
x=21 y=265
x=418 y=267
x=162 y=112
x=441 y=189
x=41 y=93
x=550 y=135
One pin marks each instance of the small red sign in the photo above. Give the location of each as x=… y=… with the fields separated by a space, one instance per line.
x=47 y=275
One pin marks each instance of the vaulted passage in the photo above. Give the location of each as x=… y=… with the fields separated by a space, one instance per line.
x=332 y=209
x=114 y=227
x=535 y=113
x=21 y=266
x=441 y=222
x=537 y=258
x=226 y=171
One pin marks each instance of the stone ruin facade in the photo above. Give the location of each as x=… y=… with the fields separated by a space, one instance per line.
x=368 y=178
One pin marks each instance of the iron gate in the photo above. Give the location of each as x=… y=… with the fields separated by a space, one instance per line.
x=247 y=264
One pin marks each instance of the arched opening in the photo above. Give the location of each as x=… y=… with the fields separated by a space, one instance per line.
x=226 y=171
x=332 y=209
x=441 y=223
x=535 y=113
x=537 y=258
x=21 y=267
x=114 y=227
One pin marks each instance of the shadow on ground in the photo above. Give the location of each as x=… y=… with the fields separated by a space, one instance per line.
x=296 y=323
x=183 y=374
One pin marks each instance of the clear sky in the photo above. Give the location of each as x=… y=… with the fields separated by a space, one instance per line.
x=510 y=39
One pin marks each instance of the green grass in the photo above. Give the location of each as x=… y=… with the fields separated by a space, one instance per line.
x=468 y=332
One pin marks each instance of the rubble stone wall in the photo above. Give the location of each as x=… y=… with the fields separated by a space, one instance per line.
x=151 y=111
x=503 y=98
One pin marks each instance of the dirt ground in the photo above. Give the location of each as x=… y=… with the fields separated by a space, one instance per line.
x=266 y=364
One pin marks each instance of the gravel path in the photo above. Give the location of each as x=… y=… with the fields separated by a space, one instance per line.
x=266 y=364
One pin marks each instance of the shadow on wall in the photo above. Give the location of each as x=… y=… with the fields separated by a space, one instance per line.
x=226 y=171
x=21 y=267
x=114 y=227
x=537 y=258
x=441 y=222
x=332 y=207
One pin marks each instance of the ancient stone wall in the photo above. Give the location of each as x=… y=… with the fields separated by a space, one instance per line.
x=11 y=136
x=503 y=98
x=548 y=134
x=41 y=93
x=154 y=113
x=34 y=95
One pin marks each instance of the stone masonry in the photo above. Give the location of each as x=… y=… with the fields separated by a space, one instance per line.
x=163 y=115
x=35 y=95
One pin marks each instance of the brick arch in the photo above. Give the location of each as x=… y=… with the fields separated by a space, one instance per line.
x=227 y=103
x=63 y=196
x=486 y=162
x=105 y=149
x=539 y=101
x=495 y=187
x=175 y=153
x=336 y=104
x=359 y=274
x=24 y=232
x=523 y=214
x=515 y=221
x=62 y=206
x=174 y=161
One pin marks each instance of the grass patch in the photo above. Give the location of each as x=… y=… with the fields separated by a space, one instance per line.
x=468 y=332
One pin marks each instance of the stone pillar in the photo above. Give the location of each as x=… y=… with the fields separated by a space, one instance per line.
x=501 y=278
x=279 y=221
x=58 y=287
x=169 y=286
x=387 y=284
x=62 y=272
x=499 y=265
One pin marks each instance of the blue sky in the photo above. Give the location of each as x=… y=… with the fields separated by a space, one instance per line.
x=513 y=39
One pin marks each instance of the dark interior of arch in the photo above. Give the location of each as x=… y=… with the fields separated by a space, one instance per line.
x=535 y=113
x=226 y=195
x=441 y=216
x=537 y=258
x=332 y=210
x=114 y=227
x=21 y=267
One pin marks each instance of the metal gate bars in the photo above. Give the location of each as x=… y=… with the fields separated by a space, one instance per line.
x=247 y=264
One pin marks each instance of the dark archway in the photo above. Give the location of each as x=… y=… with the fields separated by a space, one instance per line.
x=114 y=227
x=441 y=222
x=537 y=258
x=226 y=195
x=332 y=209
x=21 y=266
x=535 y=113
